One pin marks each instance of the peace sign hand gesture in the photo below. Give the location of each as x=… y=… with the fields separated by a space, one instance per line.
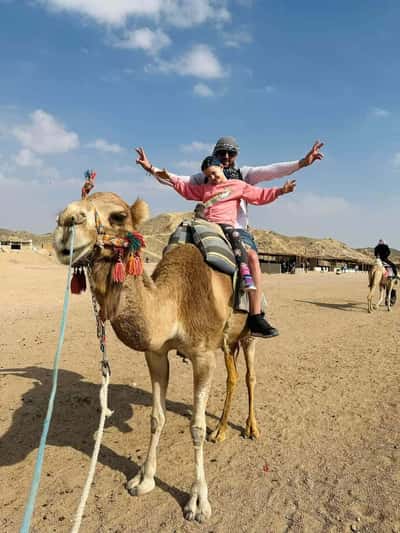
x=313 y=155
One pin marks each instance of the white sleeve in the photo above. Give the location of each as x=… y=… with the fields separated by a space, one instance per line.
x=194 y=179
x=254 y=175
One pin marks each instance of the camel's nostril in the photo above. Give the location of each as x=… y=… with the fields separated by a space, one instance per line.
x=65 y=251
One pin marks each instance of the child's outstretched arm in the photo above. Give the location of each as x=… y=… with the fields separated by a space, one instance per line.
x=163 y=176
x=185 y=189
x=257 y=196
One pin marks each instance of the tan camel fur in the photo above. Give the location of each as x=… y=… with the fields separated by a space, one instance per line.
x=377 y=278
x=184 y=305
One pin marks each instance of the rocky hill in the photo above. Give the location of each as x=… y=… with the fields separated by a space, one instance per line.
x=394 y=256
x=158 y=229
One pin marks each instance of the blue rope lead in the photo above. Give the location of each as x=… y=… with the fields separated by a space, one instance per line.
x=39 y=460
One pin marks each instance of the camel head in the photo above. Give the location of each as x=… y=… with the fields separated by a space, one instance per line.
x=98 y=214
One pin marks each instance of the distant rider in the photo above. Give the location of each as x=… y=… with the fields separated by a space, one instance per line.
x=382 y=251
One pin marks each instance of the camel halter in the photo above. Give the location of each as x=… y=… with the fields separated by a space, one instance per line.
x=127 y=247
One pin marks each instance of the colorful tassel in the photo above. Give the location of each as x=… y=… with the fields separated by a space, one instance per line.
x=134 y=266
x=82 y=279
x=119 y=273
x=89 y=183
x=78 y=281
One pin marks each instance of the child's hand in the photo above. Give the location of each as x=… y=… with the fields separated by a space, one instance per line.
x=142 y=159
x=162 y=175
x=289 y=186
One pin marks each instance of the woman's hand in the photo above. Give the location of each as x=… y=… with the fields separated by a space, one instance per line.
x=142 y=160
x=289 y=186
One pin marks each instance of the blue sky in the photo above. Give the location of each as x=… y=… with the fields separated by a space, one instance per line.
x=84 y=81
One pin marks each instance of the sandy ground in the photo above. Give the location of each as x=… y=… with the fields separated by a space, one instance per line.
x=327 y=403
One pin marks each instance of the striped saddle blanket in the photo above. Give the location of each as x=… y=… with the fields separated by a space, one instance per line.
x=210 y=240
x=216 y=250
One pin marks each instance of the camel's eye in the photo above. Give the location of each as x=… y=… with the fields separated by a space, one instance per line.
x=118 y=218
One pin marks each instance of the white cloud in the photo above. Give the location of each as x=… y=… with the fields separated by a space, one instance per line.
x=199 y=62
x=314 y=205
x=104 y=146
x=113 y=12
x=145 y=39
x=396 y=160
x=188 y=13
x=237 y=39
x=380 y=112
x=201 y=89
x=180 y=13
x=197 y=146
x=44 y=135
x=26 y=158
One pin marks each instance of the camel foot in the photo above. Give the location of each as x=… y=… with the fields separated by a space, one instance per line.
x=140 y=485
x=251 y=431
x=197 y=508
x=218 y=435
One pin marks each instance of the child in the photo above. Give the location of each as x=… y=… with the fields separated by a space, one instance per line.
x=221 y=198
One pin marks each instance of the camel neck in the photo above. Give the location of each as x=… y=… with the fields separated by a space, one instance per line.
x=133 y=308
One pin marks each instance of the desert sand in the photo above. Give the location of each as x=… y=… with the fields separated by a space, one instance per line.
x=327 y=403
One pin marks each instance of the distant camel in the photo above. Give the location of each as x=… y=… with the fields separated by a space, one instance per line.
x=379 y=278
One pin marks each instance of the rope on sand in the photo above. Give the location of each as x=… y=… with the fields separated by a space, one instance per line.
x=40 y=456
x=105 y=412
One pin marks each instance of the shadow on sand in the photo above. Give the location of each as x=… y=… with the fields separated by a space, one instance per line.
x=359 y=307
x=75 y=419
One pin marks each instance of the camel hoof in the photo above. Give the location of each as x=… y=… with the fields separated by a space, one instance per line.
x=251 y=433
x=197 y=511
x=218 y=435
x=138 y=485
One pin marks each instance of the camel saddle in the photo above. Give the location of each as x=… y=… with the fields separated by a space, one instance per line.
x=216 y=250
x=388 y=270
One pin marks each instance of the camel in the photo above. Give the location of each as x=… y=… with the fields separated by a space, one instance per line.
x=185 y=305
x=378 y=278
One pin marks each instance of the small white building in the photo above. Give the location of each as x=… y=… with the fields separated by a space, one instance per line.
x=9 y=245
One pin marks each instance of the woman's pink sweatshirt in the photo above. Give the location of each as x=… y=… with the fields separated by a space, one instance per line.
x=222 y=200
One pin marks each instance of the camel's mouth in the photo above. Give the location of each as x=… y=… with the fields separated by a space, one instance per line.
x=80 y=255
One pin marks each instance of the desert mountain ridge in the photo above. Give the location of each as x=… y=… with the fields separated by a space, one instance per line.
x=158 y=229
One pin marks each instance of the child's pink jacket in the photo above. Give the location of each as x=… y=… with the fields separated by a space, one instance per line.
x=222 y=200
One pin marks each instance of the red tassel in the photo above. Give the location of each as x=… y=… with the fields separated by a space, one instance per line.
x=75 y=283
x=119 y=273
x=82 y=279
x=78 y=281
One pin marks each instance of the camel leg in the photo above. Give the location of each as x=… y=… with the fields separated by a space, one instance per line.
x=198 y=507
x=381 y=296
x=219 y=434
x=389 y=295
x=158 y=365
x=371 y=290
x=249 y=349
x=369 y=299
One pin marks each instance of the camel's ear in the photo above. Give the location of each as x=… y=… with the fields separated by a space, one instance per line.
x=140 y=212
